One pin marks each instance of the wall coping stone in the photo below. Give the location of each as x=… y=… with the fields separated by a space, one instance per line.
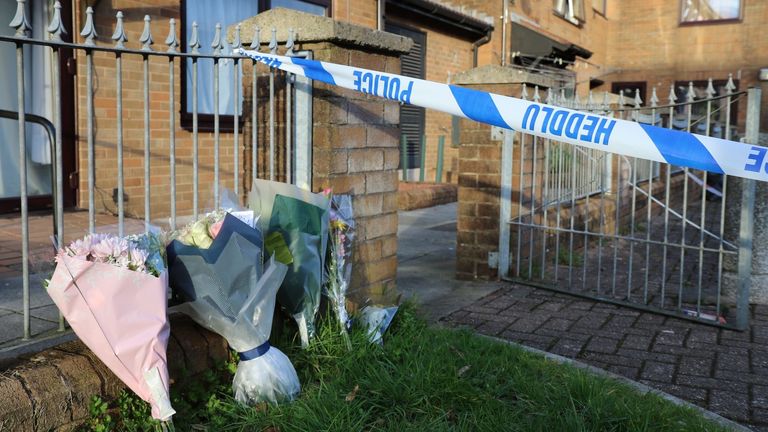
x=314 y=28
x=51 y=390
x=495 y=74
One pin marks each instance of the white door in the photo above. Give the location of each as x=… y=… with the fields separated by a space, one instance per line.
x=38 y=100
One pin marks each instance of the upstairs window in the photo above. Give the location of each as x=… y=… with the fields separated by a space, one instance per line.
x=571 y=11
x=600 y=6
x=703 y=11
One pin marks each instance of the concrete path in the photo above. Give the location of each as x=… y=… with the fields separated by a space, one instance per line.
x=720 y=370
x=426 y=257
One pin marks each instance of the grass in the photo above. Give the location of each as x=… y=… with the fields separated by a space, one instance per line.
x=430 y=379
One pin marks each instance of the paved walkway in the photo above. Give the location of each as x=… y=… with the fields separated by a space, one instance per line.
x=44 y=314
x=720 y=370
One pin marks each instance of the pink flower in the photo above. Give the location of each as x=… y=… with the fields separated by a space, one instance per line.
x=327 y=192
x=80 y=248
x=102 y=250
x=214 y=229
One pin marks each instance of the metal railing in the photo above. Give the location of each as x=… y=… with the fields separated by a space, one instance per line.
x=633 y=232
x=295 y=95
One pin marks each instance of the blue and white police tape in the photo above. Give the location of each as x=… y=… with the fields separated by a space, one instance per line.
x=546 y=121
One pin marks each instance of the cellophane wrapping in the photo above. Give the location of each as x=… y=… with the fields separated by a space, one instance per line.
x=227 y=293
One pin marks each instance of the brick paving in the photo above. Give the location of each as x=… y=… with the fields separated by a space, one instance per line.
x=721 y=370
x=44 y=315
x=40 y=231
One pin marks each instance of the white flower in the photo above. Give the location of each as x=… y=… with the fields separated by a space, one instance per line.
x=138 y=258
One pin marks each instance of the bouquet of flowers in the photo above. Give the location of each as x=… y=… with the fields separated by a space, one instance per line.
x=301 y=218
x=113 y=292
x=339 y=268
x=228 y=293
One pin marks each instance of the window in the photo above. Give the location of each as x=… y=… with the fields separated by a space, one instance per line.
x=570 y=10
x=698 y=11
x=207 y=13
x=600 y=6
x=630 y=88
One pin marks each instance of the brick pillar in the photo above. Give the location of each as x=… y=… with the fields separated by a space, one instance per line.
x=479 y=191
x=355 y=138
x=480 y=174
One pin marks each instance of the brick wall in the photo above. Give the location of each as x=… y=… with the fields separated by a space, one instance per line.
x=355 y=141
x=133 y=119
x=360 y=12
x=53 y=389
x=479 y=189
x=639 y=40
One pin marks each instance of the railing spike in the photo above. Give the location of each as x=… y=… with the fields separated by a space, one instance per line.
x=550 y=99
x=524 y=92
x=654 y=98
x=289 y=43
x=730 y=86
x=146 y=35
x=56 y=27
x=171 y=40
x=590 y=100
x=256 y=42
x=273 y=42
x=237 y=43
x=536 y=95
x=606 y=100
x=638 y=101
x=691 y=95
x=119 y=35
x=710 y=89
x=20 y=21
x=621 y=98
x=89 y=30
x=672 y=95
x=576 y=100
x=194 y=39
x=217 y=44
x=561 y=100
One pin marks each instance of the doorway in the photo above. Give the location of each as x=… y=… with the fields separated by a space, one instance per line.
x=39 y=97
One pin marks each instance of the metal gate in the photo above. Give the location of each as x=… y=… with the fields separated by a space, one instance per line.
x=628 y=231
x=133 y=140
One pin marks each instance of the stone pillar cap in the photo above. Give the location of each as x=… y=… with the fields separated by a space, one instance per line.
x=495 y=74
x=314 y=28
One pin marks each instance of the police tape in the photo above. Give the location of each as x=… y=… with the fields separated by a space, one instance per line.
x=579 y=128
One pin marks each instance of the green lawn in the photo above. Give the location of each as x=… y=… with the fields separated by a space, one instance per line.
x=426 y=379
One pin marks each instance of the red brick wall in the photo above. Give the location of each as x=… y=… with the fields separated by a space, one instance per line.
x=360 y=12
x=355 y=142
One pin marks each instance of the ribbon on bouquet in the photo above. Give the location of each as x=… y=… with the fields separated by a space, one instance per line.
x=574 y=127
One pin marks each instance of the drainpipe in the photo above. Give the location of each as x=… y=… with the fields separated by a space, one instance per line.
x=476 y=45
x=504 y=16
x=380 y=14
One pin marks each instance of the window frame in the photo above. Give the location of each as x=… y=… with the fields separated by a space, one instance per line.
x=205 y=121
x=738 y=19
x=572 y=17
x=603 y=11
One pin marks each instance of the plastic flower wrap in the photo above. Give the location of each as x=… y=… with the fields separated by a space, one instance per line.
x=301 y=217
x=339 y=267
x=113 y=292
x=228 y=293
